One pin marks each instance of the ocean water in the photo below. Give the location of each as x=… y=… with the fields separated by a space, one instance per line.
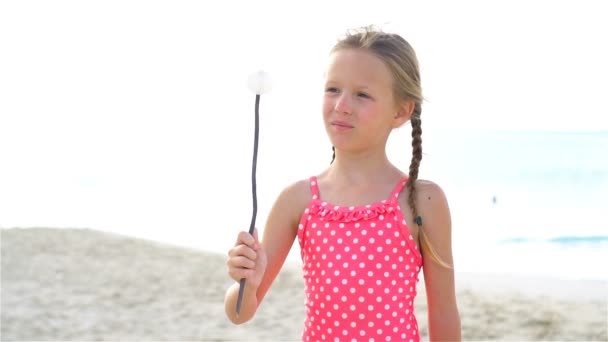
x=531 y=203
x=522 y=202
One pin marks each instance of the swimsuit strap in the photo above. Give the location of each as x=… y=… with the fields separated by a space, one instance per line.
x=395 y=194
x=314 y=187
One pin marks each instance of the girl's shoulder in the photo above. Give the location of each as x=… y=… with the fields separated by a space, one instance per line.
x=430 y=196
x=296 y=194
x=431 y=200
x=425 y=187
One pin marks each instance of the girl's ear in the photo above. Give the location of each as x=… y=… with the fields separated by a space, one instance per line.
x=404 y=112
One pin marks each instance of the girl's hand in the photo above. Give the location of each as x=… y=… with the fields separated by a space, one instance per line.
x=247 y=259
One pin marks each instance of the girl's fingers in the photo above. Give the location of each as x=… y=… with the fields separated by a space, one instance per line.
x=240 y=273
x=240 y=262
x=245 y=238
x=243 y=250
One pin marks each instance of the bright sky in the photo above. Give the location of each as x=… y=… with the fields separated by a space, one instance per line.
x=134 y=116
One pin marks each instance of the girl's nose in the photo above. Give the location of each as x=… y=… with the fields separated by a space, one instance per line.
x=343 y=104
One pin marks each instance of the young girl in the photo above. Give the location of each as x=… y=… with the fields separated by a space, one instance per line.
x=364 y=227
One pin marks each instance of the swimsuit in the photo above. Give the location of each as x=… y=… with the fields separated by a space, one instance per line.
x=360 y=267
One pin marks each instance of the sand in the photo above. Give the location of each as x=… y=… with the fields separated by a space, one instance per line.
x=79 y=284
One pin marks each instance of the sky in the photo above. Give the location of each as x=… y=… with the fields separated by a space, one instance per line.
x=135 y=117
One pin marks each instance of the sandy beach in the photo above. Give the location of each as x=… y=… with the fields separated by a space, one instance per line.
x=79 y=284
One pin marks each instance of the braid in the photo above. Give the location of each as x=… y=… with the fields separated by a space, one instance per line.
x=416 y=158
x=333 y=157
x=413 y=176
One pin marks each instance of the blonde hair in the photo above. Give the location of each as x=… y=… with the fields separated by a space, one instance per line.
x=400 y=58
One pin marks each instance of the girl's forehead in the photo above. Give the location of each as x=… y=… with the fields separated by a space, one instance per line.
x=357 y=65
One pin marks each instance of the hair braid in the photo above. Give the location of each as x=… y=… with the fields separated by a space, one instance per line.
x=411 y=183
x=416 y=158
x=333 y=157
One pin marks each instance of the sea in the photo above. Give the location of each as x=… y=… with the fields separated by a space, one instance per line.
x=527 y=203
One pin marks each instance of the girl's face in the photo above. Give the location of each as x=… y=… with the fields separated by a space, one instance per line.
x=359 y=109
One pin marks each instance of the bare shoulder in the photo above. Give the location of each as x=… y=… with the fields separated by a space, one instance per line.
x=427 y=187
x=433 y=204
x=293 y=199
x=296 y=193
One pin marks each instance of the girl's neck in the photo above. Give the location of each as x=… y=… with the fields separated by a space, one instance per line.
x=360 y=168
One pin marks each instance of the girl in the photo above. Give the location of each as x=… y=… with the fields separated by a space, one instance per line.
x=364 y=227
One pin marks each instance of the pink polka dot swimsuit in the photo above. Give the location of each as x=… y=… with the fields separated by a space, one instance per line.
x=361 y=268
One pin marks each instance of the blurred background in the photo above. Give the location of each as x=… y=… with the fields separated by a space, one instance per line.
x=134 y=117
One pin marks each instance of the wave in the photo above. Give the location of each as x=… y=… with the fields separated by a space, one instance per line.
x=565 y=239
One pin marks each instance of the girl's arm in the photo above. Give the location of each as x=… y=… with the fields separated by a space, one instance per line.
x=260 y=263
x=443 y=316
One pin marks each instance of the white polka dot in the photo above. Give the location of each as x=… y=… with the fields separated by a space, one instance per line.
x=373 y=224
x=357 y=225
x=353 y=273
x=381 y=232
x=364 y=232
x=389 y=225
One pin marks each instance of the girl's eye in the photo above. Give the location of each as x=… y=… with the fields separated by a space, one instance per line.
x=331 y=90
x=363 y=95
